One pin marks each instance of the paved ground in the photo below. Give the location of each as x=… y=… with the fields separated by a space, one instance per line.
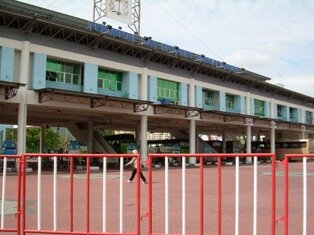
x=192 y=207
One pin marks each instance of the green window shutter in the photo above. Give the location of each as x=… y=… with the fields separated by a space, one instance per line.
x=110 y=80
x=259 y=107
x=167 y=89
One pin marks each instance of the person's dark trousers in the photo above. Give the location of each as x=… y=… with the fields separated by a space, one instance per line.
x=141 y=175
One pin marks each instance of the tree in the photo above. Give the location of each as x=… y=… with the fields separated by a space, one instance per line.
x=52 y=139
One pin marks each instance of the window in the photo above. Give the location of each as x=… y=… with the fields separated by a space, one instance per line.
x=167 y=89
x=110 y=80
x=293 y=112
x=208 y=97
x=63 y=72
x=229 y=101
x=259 y=108
x=279 y=111
x=308 y=117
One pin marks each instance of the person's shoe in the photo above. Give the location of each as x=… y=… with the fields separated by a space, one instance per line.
x=129 y=181
x=144 y=182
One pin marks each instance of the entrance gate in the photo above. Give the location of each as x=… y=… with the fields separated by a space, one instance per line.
x=56 y=202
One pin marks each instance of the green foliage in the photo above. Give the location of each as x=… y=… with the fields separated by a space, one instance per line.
x=52 y=139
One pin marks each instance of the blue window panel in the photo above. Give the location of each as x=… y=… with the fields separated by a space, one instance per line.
x=90 y=78
x=130 y=84
x=6 y=64
x=152 y=89
x=198 y=97
x=38 y=73
x=183 y=94
x=252 y=107
x=222 y=101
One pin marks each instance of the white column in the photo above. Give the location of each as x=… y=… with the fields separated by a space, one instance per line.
x=42 y=139
x=249 y=123
x=273 y=127
x=90 y=141
x=144 y=136
x=22 y=110
x=143 y=83
x=192 y=160
x=192 y=93
x=303 y=132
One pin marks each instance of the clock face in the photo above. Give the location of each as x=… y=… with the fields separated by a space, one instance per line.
x=120 y=10
x=119 y=7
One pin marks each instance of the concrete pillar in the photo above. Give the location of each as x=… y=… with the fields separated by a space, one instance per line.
x=249 y=123
x=273 y=127
x=192 y=160
x=144 y=137
x=303 y=132
x=22 y=110
x=143 y=90
x=90 y=141
x=42 y=139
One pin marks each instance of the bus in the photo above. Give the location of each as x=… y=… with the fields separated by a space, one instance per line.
x=285 y=146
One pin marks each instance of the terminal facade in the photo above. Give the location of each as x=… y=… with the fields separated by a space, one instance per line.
x=58 y=70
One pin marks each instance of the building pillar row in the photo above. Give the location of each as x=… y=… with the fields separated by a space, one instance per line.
x=143 y=136
x=192 y=135
x=273 y=126
x=303 y=132
x=248 y=122
x=22 y=109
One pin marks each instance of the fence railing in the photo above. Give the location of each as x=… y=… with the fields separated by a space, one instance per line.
x=219 y=190
x=304 y=158
x=23 y=185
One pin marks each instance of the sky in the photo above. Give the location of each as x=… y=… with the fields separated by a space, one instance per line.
x=268 y=37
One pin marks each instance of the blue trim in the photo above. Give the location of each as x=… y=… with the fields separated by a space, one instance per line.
x=90 y=78
x=7 y=64
x=38 y=73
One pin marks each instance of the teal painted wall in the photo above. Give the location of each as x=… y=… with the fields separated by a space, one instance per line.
x=288 y=114
x=38 y=72
x=90 y=78
x=267 y=109
x=130 y=84
x=252 y=106
x=222 y=101
x=198 y=97
x=242 y=102
x=6 y=64
x=238 y=104
x=152 y=88
x=183 y=94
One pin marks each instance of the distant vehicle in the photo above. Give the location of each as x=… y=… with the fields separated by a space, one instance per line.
x=285 y=146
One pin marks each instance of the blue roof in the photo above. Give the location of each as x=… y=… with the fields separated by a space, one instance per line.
x=148 y=42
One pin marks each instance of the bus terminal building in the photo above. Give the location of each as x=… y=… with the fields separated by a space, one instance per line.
x=58 y=70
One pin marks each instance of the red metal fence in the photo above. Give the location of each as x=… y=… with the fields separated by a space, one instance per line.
x=25 y=186
x=73 y=193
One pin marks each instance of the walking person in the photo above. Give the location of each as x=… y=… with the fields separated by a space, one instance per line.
x=134 y=162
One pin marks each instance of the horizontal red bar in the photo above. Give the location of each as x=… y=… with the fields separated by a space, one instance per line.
x=75 y=233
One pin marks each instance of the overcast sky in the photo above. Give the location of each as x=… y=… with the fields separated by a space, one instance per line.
x=272 y=38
